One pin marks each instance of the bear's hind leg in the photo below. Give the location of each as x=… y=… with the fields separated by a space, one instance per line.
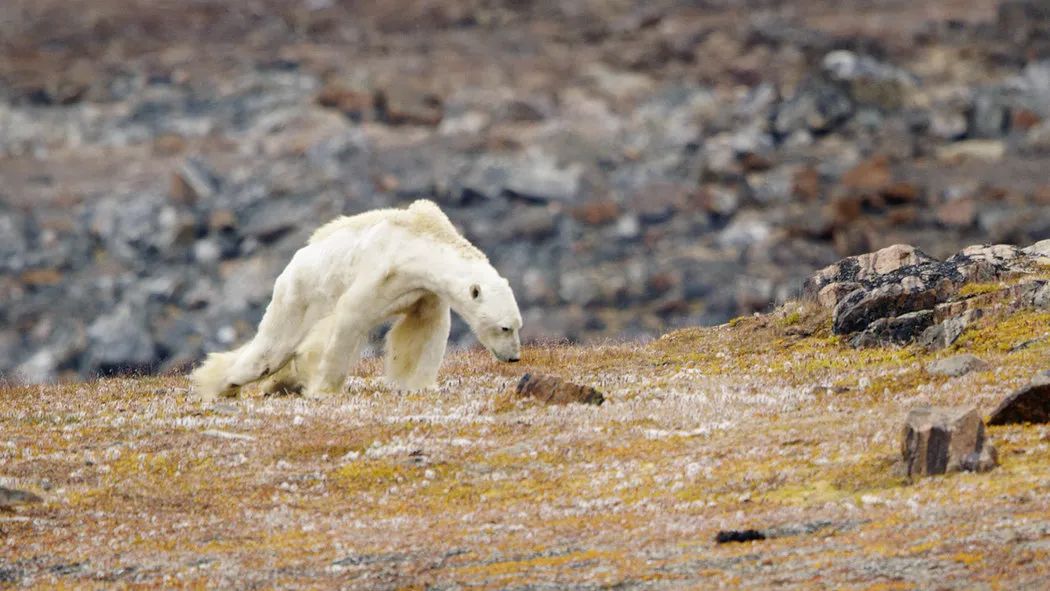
x=283 y=326
x=415 y=345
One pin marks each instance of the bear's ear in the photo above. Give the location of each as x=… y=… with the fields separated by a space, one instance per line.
x=475 y=291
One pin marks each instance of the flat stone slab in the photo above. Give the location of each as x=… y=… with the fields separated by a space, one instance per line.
x=956 y=366
x=1030 y=404
x=553 y=390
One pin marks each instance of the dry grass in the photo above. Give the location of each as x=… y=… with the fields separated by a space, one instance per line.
x=769 y=421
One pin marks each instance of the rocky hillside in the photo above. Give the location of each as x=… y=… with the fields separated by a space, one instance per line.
x=631 y=167
x=778 y=451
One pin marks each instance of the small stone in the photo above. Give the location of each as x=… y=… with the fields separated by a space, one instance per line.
x=938 y=440
x=987 y=150
x=807 y=185
x=1030 y=404
x=552 y=390
x=352 y=102
x=739 y=535
x=597 y=212
x=985 y=460
x=957 y=214
x=956 y=366
x=11 y=498
x=192 y=182
x=872 y=175
x=406 y=105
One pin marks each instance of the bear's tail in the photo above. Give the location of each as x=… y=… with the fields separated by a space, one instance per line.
x=210 y=379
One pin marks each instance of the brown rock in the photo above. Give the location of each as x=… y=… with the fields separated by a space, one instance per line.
x=222 y=219
x=830 y=295
x=169 y=144
x=807 y=185
x=1024 y=119
x=903 y=215
x=597 y=212
x=901 y=192
x=958 y=214
x=1030 y=404
x=872 y=175
x=405 y=105
x=939 y=440
x=41 y=277
x=191 y=183
x=658 y=201
x=1041 y=196
x=353 y=103
x=552 y=390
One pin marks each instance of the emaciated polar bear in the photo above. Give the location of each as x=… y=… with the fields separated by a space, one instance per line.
x=354 y=273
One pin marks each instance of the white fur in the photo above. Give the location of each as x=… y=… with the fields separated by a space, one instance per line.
x=354 y=273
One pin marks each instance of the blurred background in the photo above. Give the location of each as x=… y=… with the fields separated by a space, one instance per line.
x=631 y=167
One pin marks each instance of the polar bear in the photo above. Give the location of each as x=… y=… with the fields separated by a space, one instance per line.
x=354 y=273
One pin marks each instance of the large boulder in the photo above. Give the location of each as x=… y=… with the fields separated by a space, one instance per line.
x=1030 y=404
x=938 y=440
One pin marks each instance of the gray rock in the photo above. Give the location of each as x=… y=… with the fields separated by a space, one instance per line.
x=193 y=181
x=864 y=306
x=990 y=115
x=870 y=82
x=956 y=366
x=11 y=498
x=817 y=106
x=120 y=341
x=939 y=440
x=897 y=330
x=981 y=461
x=946 y=332
x=1030 y=404
x=1040 y=249
x=866 y=267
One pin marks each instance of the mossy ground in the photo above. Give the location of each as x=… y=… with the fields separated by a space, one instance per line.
x=769 y=421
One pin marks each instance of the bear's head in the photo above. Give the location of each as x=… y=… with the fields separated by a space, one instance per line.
x=488 y=306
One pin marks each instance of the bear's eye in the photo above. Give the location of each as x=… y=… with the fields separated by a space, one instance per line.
x=475 y=292
x=505 y=328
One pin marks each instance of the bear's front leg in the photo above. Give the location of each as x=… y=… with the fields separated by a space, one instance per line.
x=354 y=316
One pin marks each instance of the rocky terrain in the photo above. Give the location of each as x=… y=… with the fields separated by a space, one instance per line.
x=631 y=167
x=777 y=451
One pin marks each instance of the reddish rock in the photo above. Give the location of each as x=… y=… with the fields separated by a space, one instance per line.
x=353 y=103
x=752 y=162
x=1023 y=119
x=903 y=215
x=553 y=390
x=1042 y=195
x=807 y=186
x=901 y=192
x=41 y=277
x=961 y=213
x=597 y=212
x=871 y=175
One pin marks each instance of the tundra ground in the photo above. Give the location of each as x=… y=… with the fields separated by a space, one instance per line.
x=765 y=422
